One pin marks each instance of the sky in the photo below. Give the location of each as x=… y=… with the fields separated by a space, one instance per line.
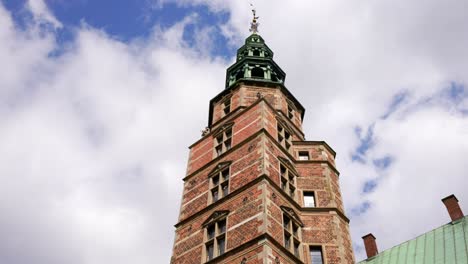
x=99 y=101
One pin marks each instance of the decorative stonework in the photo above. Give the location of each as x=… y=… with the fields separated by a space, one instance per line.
x=292 y=214
x=215 y=216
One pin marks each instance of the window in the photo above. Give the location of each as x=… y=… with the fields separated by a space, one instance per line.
x=256 y=52
x=309 y=199
x=215 y=239
x=257 y=72
x=226 y=106
x=290 y=112
x=223 y=141
x=291 y=235
x=240 y=74
x=274 y=77
x=316 y=256
x=288 y=181
x=220 y=184
x=303 y=155
x=284 y=137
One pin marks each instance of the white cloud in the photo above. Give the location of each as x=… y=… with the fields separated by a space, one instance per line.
x=94 y=141
x=42 y=14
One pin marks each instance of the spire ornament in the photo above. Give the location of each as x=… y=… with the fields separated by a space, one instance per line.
x=254 y=24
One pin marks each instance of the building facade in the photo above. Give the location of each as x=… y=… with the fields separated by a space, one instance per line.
x=255 y=190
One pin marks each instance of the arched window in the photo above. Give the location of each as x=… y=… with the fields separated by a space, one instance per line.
x=256 y=52
x=257 y=72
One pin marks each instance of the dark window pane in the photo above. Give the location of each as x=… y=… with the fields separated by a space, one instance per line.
x=280 y=138
x=295 y=230
x=221 y=245
x=222 y=226
x=219 y=150
x=215 y=180
x=284 y=184
x=215 y=195
x=225 y=174
x=211 y=231
x=228 y=144
x=228 y=133
x=291 y=192
x=286 y=222
x=287 y=241
x=227 y=107
x=209 y=251
x=283 y=171
x=296 y=249
x=290 y=112
x=225 y=189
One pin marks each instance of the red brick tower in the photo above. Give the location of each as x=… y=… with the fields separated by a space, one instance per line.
x=256 y=191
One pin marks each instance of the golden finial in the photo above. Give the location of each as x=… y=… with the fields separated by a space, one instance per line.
x=254 y=24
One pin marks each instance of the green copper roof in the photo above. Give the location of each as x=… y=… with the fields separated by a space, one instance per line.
x=254 y=62
x=446 y=244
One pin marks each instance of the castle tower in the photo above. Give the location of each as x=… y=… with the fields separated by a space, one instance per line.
x=255 y=190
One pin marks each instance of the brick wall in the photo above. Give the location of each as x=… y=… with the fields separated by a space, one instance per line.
x=255 y=201
x=244 y=222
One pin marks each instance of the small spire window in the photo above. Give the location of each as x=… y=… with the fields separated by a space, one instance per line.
x=257 y=72
x=240 y=74
x=274 y=77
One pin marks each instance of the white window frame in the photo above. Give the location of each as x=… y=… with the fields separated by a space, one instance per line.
x=313 y=199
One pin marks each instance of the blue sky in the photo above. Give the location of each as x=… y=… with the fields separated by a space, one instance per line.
x=92 y=92
x=126 y=20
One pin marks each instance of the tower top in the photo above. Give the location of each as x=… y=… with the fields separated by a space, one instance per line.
x=254 y=24
x=254 y=61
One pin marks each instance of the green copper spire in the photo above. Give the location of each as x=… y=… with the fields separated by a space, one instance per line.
x=254 y=61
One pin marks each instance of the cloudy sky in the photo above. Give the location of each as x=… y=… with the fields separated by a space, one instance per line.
x=100 y=99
